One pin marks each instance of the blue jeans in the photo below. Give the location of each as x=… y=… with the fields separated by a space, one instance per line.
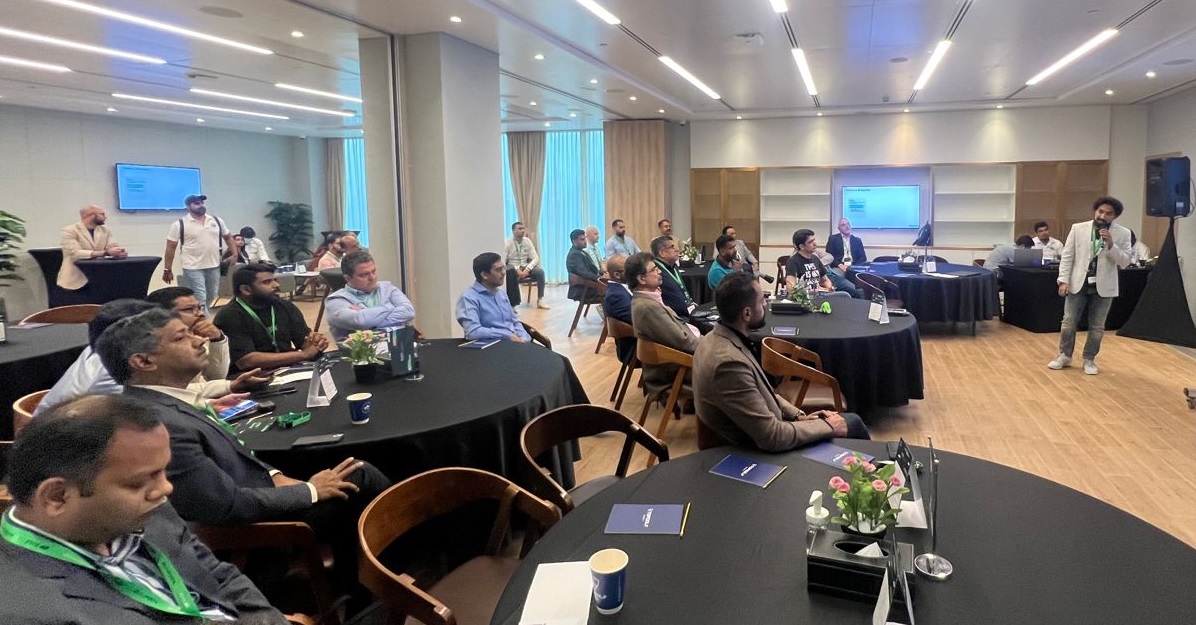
x=842 y=284
x=205 y=283
x=1073 y=307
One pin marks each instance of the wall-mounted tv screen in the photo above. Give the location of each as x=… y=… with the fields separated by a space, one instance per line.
x=875 y=207
x=153 y=187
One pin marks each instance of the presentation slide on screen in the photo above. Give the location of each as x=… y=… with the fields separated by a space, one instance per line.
x=877 y=207
x=145 y=187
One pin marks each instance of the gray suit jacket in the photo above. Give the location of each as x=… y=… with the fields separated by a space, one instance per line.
x=217 y=480
x=78 y=244
x=733 y=397
x=36 y=590
x=659 y=324
x=1077 y=253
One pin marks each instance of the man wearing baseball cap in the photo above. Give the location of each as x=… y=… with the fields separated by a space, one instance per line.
x=202 y=238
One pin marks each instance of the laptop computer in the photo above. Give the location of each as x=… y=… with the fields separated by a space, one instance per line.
x=1023 y=257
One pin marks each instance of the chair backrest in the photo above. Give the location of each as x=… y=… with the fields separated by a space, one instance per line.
x=567 y=423
x=75 y=313
x=22 y=411
x=654 y=354
x=781 y=261
x=793 y=351
x=885 y=259
x=333 y=278
x=891 y=289
x=421 y=498
x=777 y=364
x=536 y=335
x=619 y=329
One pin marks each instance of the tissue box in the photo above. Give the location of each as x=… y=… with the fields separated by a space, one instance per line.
x=833 y=568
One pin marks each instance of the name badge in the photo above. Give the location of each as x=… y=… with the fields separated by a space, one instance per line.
x=1091 y=279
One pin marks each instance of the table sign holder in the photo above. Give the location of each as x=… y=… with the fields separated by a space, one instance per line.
x=929 y=264
x=899 y=590
x=833 y=568
x=878 y=311
x=931 y=564
x=321 y=389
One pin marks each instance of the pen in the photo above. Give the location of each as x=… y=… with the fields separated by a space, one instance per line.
x=684 y=520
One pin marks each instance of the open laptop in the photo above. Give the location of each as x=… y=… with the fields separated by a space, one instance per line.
x=1023 y=257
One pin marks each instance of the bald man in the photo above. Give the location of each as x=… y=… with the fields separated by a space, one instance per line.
x=593 y=250
x=88 y=238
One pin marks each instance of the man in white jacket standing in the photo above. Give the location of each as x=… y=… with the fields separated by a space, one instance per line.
x=1094 y=252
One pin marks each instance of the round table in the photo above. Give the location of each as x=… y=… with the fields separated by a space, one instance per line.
x=1032 y=299
x=115 y=278
x=1025 y=550
x=468 y=410
x=49 y=260
x=695 y=282
x=876 y=365
x=33 y=359
x=961 y=299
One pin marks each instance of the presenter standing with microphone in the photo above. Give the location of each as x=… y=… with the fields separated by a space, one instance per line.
x=1094 y=252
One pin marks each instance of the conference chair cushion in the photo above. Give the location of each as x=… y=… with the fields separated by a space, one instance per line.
x=472 y=590
x=582 y=492
x=818 y=397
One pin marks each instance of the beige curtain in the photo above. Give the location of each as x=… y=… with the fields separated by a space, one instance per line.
x=334 y=182
x=526 y=152
x=636 y=177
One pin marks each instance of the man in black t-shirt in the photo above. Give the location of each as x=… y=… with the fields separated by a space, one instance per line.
x=804 y=270
x=264 y=330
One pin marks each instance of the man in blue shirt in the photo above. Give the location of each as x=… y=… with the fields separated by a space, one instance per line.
x=365 y=303
x=725 y=263
x=484 y=310
x=620 y=243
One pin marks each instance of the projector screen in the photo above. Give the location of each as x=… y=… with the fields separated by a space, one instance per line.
x=876 y=207
x=154 y=188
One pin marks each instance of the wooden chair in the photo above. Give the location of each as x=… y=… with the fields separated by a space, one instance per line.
x=22 y=411
x=469 y=593
x=75 y=313
x=333 y=280
x=776 y=286
x=783 y=359
x=557 y=427
x=530 y=283
x=978 y=262
x=593 y=294
x=892 y=290
x=654 y=354
x=536 y=335
x=620 y=330
x=5 y=496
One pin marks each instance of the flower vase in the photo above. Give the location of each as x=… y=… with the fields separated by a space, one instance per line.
x=364 y=373
x=864 y=527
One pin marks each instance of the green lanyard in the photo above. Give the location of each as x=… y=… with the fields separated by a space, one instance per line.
x=272 y=330
x=184 y=603
x=210 y=413
x=1096 y=241
x=675 y=275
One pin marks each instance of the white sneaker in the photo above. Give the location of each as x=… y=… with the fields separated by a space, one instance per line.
x=1090 y=367
x=541 y=305
x=1061 y=361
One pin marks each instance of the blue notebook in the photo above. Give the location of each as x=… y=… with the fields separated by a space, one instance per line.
x=480 y=343
x=634 y=518
x=743 y=469
x=833 y=455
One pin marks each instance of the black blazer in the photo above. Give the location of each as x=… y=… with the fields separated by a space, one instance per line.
x=36 y=589
x=216 y=479
x=580 y=263
x=834 y=247
x=618 y=305
x=673 y=295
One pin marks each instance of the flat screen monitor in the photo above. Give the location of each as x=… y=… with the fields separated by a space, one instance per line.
x=880 y=207
x=154 y=187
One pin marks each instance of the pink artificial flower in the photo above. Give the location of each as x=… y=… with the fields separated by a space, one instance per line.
x=879 y=485
x=895 y=481
x=843 y=487
x=836 y=481
x=868 y=467
x=850 y=460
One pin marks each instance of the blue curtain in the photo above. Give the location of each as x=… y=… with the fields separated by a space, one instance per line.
x=356 y=208
x=574 y=195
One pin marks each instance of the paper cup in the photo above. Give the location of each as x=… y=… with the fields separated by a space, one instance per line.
x=359 y=407
x=608 y=569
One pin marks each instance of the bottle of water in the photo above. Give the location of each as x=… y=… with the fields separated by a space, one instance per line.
x=3 y=322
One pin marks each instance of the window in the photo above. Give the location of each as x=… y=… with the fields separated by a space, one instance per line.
x=357 y=215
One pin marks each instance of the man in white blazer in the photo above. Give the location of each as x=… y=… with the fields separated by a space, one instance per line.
x=85 y=239
x=1094 y=252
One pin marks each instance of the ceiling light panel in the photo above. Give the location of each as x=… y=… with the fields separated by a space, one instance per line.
x=297 y=107
x=936 y=57
x=600 y=11
x=1070 y=57
x=323 y=94
x=75 y=45
x=155 y=24
x=803 y=67
x=779 y=6
x=693 y=80
x=49 y=67
x=202 y=107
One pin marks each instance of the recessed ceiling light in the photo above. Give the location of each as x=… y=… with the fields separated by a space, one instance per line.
x=572 y=114
x=803 y=67
x=49 y=67
x=905 y=110
x=454 y=19
x=533 y=103
x=170 y=28
x=548 y=124
x=820 y=113
x=633 y=98
x=693 y=80
x=661 y=111
x=203 y=107
x=199 y=120
x=268 y=129
x=66 y=43
x=1000 y=106
x=601 y=12
x=323 y=94
x=299 y=107
x=779 y=6
x=298 y=34
x=1151 y=74
x=593 y=81
x=111 y=110
x=739 y=117
x=1085 y=48
x=1108 y=92
x=539 y=57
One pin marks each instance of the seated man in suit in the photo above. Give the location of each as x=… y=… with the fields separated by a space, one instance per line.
x=217 y=479
x=483 y=310
x=672 y=288
x=845 y=248
x=83 y=240
x=656 y=322
x=92 y=538
x=617 y=303
x=365 y=303
x=732 y=393
x=265 y=331
x=581 y=264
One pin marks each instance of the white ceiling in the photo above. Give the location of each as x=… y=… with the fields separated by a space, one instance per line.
x=740 y=48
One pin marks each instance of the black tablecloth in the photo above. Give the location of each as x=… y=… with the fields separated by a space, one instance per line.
x=1032 y=299
x=695 y=282
x=33 y=360
x=876 y=365
x=49 y=260
x=1025 y=550
x=965 y=299
x=467 y=411
x=112 y=278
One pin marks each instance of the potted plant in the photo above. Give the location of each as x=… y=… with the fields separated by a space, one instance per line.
x=866 y=499
x=12 y=234
x=361 y=350
x=293 y=231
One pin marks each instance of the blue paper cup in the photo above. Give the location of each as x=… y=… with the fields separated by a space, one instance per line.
x=608 y=569
x=359 y=407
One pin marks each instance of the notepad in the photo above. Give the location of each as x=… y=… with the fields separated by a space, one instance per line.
x=559 y=595
x=833 y=455
x=480 y=343
x=784 y=331
x=634 y=518
x=744 y=469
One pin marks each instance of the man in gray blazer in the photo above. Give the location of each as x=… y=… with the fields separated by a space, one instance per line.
x=1088 y=270
x=732 y=393
x=655 y=322
x=92 y=539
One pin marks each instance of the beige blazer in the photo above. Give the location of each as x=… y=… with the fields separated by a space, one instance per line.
x=1077 y=253
x=734 y=398
x=658 y=323
x=78 y=244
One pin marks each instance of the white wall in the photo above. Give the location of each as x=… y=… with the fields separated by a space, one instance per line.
x=678 y=159
x=1171 y=127
x=52 y=163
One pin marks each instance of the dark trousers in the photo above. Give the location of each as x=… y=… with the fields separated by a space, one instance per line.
x=335 y=521
x=536 y=275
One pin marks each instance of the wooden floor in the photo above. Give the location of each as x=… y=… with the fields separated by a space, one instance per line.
x=1123 y=436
